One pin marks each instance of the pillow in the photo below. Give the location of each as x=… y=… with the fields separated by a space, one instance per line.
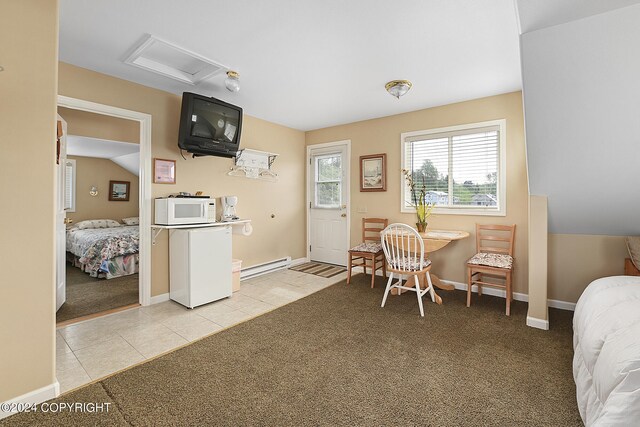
x=633 y=245
x=97 y=223
x=132 y=220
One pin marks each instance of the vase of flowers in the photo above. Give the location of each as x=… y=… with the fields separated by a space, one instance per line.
x=418 y=200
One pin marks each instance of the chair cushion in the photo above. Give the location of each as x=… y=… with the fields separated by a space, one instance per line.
x=410 y=264
x=371 y=247
x=492 y=260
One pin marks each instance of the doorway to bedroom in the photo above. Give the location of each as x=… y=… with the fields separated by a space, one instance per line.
x=100 y=199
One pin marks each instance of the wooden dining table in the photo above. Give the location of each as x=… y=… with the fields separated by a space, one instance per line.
x=435 y=240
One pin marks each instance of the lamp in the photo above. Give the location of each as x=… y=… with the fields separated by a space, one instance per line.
x=398 y=88
x=93 y=191
x=232 y=82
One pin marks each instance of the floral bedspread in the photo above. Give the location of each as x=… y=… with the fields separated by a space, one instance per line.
x=96 y=246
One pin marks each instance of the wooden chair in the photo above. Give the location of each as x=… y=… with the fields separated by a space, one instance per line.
x=369 y=250
x=404 y=251
x=494 y=259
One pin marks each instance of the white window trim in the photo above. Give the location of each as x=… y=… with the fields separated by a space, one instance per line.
x=502 y=172
x=72 y=204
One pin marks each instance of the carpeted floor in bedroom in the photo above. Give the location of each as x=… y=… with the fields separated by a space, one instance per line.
x=337 y=358
x=88 y=295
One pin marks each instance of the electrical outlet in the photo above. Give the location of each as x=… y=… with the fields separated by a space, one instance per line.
x=362 y=209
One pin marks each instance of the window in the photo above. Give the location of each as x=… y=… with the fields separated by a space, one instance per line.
x=328 y=177
x=462 y=168
x=70 y=185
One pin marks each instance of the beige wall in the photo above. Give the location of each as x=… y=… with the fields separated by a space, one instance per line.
x=83 y=123
x=383 y=136
x=28 y=84
x=575 y=260
x=273 y=238
x=92 y=171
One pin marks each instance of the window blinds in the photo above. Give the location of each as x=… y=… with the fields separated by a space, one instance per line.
x=69 y=185
x=459 y=168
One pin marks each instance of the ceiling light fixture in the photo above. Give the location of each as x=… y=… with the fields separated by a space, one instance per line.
x=398 y=88
x=232 y=82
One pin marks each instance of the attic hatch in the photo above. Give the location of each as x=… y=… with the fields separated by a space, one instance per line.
x=169 y=60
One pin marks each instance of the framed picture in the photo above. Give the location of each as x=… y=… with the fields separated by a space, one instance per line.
x=119 y=191
x=164 y=171
x=373 y=172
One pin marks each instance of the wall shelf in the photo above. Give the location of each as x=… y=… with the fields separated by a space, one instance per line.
x=254 y=164
x=241 y=226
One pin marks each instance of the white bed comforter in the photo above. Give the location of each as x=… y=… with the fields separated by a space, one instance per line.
x=606 y=361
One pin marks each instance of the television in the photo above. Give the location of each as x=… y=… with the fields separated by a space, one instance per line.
x=209 y=126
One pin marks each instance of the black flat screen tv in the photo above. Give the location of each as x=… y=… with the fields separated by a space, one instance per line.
x=209 y=126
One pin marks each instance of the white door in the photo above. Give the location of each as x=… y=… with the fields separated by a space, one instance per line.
x=62 y=203
x=328 y=217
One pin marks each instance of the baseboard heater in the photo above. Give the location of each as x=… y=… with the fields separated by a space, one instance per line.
x=267 y=267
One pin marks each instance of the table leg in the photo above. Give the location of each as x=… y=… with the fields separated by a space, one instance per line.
x=438 y=283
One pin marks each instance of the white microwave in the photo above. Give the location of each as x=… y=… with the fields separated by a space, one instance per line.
x=179 y=210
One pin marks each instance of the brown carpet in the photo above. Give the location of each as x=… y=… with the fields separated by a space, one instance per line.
x=88 y=295
x=319 y=269
x=337 y=358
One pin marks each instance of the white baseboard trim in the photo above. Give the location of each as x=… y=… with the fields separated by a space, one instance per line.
x=159 y=298
x=36 y=396
x=298 y=261
x=562 y=305
x=554 y=303
x=534 y=322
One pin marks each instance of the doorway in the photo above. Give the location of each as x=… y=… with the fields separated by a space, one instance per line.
x=328 y=194
x=142 y=188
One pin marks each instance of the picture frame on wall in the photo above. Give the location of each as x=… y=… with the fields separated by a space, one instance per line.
x=373 y=172
x=164 y=171
x=119 y=191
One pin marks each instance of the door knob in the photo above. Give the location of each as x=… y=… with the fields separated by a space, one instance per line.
x=344 y=215
x=68 y=220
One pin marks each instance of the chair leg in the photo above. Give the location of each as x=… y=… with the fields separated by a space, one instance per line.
x=384 y=267
x=469 y=282
x=509 y=293
x=431 y=291
x=479 y=285
x=373 y=271
x=386 y=291
x=417 y=282
x=349 y=266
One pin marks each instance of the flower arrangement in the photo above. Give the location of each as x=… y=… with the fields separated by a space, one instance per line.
x=418 y=195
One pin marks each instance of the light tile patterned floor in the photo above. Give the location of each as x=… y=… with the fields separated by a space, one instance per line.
x=99 y=347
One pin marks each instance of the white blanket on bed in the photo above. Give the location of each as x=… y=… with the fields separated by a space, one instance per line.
x=606 y=362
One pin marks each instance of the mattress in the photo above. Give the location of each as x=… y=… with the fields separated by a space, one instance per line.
x=606 y=341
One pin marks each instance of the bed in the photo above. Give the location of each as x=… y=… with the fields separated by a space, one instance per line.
x=106 y=252
x=606 y=341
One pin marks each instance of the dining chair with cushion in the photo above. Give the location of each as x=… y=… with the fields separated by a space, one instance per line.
x=493 y=259
x=404 y=251
x=369 y=252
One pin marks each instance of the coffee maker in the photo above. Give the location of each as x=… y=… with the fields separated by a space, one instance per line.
x=229 y=208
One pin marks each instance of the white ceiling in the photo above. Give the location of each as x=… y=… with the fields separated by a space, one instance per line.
x=310 y=64
x=581 y=92
x=537 y=14
x=124 y=154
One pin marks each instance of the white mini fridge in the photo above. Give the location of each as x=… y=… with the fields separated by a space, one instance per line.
x=200 y=265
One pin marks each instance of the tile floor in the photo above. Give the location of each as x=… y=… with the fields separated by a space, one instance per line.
x=98 y=347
